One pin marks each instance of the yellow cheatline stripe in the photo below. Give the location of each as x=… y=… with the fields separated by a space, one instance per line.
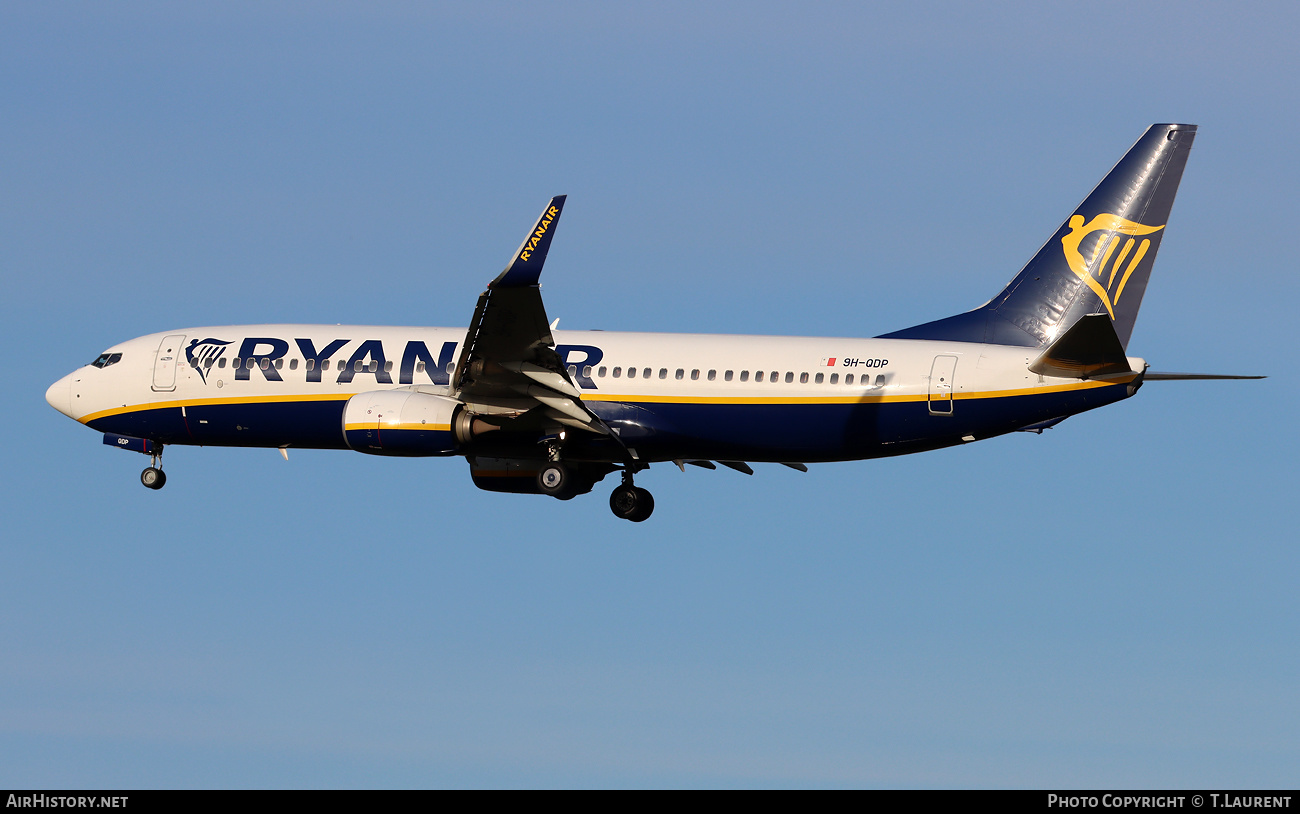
x=632 y=399
x=862 y=399
x=371 y=425
x=164 y=405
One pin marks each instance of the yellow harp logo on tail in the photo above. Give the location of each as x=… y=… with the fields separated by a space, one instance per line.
x=1103 y=278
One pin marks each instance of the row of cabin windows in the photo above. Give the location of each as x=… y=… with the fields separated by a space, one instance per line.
x=358 y=366
x=587 y=371
x=727 y=375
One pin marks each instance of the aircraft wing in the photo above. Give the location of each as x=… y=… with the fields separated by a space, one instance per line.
x=508 y=364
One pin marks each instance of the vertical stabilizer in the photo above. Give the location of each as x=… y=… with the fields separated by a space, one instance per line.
x=1097 y=262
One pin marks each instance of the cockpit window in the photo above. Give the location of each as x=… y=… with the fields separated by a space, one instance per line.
x=106 y=359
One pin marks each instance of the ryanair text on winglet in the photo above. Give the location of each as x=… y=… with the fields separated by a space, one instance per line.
x=532 y=242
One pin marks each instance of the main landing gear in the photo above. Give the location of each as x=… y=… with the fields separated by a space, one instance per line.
x=554 y=480
x=630 y=501
x=153 y=477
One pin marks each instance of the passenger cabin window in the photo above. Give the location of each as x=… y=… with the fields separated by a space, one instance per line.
x=221 y=363
x=789 y=377
x=679 y=374
x=279 y=364
x=293 y=364
x=848 y=378
x=880 y=380
x=388 y=367
x=645 y=374
x=758 y=375
x=603 y=370
x=726 y=377
x=586 y=371
x=266 y=364
x=835 y=378
x=663 y=372
x=618 y=371
x=713 y=374
x=803 y=378
x=631 y=373
x=207 y=364
x=695 y=375
x=744 y=375
x=311 y=365
x=820 y=377
x=573 y=371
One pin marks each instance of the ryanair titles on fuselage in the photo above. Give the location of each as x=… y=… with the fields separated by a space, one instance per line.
x=369 y=358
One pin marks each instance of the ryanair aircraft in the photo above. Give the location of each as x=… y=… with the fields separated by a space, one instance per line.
x=541 y=411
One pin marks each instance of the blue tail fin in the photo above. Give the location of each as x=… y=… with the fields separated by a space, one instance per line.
x=1098 y=262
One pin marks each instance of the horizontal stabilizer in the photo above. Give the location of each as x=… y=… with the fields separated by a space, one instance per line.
x=1157 y=376
x=1090 y=348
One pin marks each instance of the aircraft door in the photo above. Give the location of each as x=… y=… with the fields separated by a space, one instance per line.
x=941 y=384
x=164 y=365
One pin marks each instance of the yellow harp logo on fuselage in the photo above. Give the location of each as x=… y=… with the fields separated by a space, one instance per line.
x=1099 y=281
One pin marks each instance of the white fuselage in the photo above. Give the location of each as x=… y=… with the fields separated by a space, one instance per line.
x=930 y=393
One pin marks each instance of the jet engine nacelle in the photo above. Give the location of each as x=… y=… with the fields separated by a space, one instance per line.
x=406 y=422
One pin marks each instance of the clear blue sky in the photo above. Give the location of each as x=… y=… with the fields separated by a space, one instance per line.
x=1110 y=604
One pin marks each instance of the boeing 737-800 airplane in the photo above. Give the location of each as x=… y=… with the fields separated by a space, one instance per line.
x=538 y=410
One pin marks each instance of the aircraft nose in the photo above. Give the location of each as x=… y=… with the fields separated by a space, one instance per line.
x=60 y=395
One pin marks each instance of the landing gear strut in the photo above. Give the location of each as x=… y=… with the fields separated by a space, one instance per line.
x=553 y=478
x=153 y=477
x=630 y=501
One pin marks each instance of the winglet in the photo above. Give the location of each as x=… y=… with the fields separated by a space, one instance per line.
x=525 y=268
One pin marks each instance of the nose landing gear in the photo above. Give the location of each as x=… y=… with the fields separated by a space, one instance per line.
x=153 y=477
x=630 y=501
